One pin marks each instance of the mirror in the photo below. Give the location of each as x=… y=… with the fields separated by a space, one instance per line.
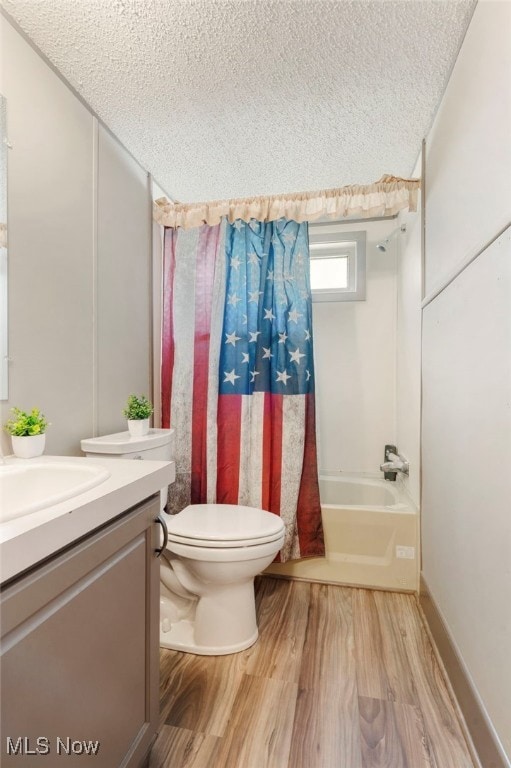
x=4 y=353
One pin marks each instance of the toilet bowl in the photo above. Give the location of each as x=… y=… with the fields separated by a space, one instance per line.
x=213 y=553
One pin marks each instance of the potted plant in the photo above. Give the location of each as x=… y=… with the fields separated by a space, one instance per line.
x=28 y=432
x=138 y=412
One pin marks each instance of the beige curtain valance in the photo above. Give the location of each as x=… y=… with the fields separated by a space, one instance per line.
x=384 y=198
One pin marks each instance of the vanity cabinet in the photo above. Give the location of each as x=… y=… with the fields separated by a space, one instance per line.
x=79 y=650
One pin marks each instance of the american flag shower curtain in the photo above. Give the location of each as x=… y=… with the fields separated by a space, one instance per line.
x=238 y=372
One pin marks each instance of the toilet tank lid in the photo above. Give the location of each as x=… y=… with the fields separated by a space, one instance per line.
x=123 y=442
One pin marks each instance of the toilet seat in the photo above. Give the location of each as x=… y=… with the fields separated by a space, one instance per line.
x=220 y=526
x=221 y=544
x=221 y=554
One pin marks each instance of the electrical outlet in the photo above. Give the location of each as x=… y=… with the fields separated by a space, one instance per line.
x=405 y=553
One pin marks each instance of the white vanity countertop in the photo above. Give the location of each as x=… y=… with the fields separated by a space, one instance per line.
x=26 y=540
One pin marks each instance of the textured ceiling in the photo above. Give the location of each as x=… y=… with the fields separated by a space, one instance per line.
x=228 y=98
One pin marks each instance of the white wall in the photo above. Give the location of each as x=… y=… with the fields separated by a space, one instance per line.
x=467 y=483
x=157 y=256
x=466 y=520
x=408 y=346
x=77 y=216
x=468 y=172
x=50 y=212
x=355 y=365
x=124 y=283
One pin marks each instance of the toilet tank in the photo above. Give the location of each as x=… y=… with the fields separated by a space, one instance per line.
x=157 y=445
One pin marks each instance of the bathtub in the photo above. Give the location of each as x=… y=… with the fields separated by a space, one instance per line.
x=371 y=535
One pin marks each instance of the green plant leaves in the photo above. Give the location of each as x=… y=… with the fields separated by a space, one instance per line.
x=138 y=408
x=24 y=424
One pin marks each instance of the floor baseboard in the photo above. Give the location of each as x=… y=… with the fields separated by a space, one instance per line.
x=479 y=732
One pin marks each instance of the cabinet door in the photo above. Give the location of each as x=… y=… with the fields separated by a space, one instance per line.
x=79 y=652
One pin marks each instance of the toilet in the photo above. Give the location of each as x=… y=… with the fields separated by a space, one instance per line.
x=213 y=553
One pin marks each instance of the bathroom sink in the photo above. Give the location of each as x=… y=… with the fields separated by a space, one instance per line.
x=25 y=488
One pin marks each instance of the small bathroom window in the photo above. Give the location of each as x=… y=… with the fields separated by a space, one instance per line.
x=337 y=263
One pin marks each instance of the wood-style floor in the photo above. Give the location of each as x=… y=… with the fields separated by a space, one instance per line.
x=339 y=678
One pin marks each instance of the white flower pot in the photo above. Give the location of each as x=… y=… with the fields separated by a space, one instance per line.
x=138 y=427
x=29 y=446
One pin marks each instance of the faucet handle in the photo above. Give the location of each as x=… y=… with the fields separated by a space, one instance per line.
x=389 y=449
x=393 y=463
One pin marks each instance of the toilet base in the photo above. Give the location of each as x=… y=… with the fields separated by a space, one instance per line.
x=180 y=638
x=220 y=621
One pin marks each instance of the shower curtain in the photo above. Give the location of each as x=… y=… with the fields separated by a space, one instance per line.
x=238 y=372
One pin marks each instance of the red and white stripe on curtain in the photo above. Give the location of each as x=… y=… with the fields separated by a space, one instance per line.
x=237 y=373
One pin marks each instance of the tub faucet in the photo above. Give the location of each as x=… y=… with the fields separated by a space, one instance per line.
x=393 y=463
